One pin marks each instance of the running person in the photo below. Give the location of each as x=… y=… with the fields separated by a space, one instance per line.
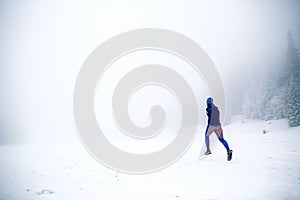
x=214 y=125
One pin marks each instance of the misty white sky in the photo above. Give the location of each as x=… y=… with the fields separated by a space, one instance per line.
x=43 y=45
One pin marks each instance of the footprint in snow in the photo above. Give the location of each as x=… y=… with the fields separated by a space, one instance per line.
x=45 y=191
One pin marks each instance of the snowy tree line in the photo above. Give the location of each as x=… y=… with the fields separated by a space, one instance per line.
x=278 y=95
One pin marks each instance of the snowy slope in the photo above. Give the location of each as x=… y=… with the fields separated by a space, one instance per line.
x=264 y=166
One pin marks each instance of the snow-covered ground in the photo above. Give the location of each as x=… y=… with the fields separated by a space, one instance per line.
x=265 y=165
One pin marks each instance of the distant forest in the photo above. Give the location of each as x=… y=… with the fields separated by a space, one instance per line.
x=278 y=96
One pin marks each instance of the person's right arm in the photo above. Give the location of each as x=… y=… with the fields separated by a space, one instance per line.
x=208 y=113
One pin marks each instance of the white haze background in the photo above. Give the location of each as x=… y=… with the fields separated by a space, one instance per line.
x=43 y=45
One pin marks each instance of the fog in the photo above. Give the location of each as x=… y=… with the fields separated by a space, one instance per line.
x=44 y=44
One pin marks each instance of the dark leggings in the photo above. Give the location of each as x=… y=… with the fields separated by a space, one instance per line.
x=221 y=139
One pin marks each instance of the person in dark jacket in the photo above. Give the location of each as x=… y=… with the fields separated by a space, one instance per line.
x=214 y=125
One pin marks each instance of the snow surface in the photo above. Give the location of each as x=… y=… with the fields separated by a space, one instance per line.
x=265 y=165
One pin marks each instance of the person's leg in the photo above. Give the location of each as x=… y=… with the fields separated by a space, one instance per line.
x=209 y=131
x=207 y=139
x=219 y=132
